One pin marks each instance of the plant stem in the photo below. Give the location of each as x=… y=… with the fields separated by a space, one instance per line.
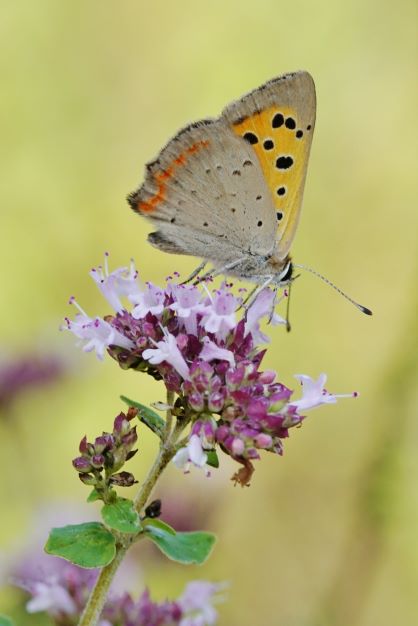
x=96 y=601
x=94 y=606
x=169 y=415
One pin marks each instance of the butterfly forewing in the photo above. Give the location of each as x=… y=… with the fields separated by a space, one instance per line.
x=278 y=120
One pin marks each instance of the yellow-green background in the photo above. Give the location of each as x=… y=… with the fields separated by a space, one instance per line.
x=90 y=90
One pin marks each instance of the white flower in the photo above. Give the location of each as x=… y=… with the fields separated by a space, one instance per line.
x=262 y=306
x=219 y=317
x=50 y=596
x=314 y=393
x=197 y=601
x=96 y=332
x=120 y=282
x=149 y=301
x=167 y=350
x=187 y=304
x=192 y=454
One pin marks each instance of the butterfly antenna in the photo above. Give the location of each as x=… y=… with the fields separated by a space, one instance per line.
x=362 y=308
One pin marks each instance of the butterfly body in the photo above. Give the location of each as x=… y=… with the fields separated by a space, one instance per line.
x=229 y=190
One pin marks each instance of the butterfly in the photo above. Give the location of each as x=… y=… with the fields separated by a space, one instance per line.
x=229 y=190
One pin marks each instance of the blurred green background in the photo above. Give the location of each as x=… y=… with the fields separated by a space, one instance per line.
x=89 y=92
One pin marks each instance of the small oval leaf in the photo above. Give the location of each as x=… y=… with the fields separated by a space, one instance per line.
x=94 y=495
x=121 y=516
x=88 y=545
x=186 y=548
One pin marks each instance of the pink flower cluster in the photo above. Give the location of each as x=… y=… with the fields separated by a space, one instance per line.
x=207 y=353
x=64 y=594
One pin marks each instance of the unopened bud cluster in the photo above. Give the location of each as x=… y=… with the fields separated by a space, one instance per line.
x=101 y=461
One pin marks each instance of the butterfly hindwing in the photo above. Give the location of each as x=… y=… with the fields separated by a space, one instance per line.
x=278 y=120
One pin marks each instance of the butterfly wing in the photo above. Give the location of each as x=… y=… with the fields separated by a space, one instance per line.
x=278 y=120
x=208 y=196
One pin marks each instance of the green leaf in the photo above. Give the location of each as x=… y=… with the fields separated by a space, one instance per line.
x=147 y=416
x=87 y=545
x=186 y=548
x=159 y=524
x=5 y=621
x=213 y=460
x=121 y=516
x=94 y=495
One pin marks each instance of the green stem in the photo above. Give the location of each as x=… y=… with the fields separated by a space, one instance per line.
x=94 y=606
x=97 y=599
x=169 y=415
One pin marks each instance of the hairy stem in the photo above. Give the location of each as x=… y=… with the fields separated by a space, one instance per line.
x=94 y=606
x=169 y=415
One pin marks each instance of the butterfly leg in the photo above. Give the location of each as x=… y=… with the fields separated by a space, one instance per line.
x=255 y=292
x=274 y=304
x=222 y=270
x=195 y=272
x=248 y=298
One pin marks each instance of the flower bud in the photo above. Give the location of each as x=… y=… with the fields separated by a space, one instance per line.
x=238 y=447
x=196 y=401
x=82 y=464
x=121 y=424
x=103 y=443
x=263 y=440
x=222 y=433
x=129 y=439
x=83 y=447
x=123 y=479
x=88 y=479
x=235 y=377
x=216 y=401
x=267 y=377
x=97 y=461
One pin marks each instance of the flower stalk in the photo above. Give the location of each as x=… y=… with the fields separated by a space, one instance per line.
x=96 y=601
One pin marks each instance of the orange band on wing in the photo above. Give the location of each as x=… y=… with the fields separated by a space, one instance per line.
x=163 y=176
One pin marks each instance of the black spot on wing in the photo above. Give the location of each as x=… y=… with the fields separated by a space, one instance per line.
x=284 y=162
x=251 y=138
x=277 y=121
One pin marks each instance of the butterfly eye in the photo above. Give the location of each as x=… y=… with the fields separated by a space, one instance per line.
x=287 y=273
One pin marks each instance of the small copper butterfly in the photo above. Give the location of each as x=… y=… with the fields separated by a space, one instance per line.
x=229 y=190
